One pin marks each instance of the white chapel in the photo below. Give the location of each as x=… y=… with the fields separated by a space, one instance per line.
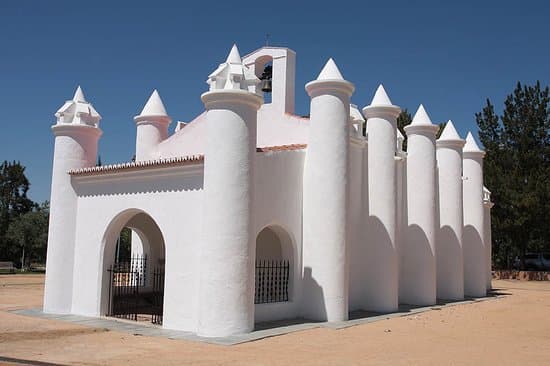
x=250 y=213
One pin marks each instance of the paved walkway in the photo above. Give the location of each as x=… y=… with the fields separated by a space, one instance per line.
x=263 y=330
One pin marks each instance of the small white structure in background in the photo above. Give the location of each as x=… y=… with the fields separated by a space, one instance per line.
x=249 y=213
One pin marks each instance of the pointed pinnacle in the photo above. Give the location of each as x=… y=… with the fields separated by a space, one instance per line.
x=421 y=117
x=234 y=57
x=154 y=106
x=471 y=144
x=330 y=71
x=381 y=97
x=449 y=133
x=79 y=95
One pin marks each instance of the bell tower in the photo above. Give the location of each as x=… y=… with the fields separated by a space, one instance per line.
x=283 y=70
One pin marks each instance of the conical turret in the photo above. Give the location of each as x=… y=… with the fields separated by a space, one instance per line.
x=327 y=170
x=76 y=139
x=449 y=133
x=475 y=261
x=418 y=268
x=154 y=106
x=381 y=266
x=471 y=145
x=449 y=253
x=230 y=153
x=381 y=97
x=330 y=71
x=152 y=127
x=421 y=117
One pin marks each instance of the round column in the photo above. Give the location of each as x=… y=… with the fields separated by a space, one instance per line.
x=76 y=137
x=75 y=148
x=475 y=264
x=381 y=265
x=227 y=259
x=418 y=272
x=152 y=127
x=449 y=256
x=325 y=199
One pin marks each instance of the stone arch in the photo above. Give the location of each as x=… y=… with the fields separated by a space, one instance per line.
x=274 y=243
x=146 y=227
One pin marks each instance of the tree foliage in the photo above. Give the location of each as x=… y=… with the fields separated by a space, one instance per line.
x=517 y=171
x=404 y=119
x=14 y=202
x=28 y=236
x=124 y=245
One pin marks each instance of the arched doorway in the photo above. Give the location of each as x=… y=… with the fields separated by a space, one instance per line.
x=274 y=266
x=133 y=281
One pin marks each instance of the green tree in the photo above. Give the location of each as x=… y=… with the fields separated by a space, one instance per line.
x=124 y=245
x=28 y=234
x=441 y=128
x=404 y=119
x=14 y=202
x=517 y=171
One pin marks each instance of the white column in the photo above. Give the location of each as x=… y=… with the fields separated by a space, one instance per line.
x=487 y=236
x=325 y=200
x=475 y=264
x=381 y=265
x=226 y=295
x=418 y=273
x=152 y=127
x=449 y=256
x=75 y=148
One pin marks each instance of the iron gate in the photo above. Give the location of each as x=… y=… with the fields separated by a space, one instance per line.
x=134 y=296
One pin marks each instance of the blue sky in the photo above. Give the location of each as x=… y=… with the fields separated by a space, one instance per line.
x=450 y=56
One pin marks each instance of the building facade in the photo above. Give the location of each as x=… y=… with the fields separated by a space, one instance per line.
x=250 y=213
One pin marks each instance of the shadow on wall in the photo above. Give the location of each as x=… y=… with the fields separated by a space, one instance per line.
x=474 y=262
x=449 y=264
x=314 y=303
x=418 y=268
x=381 y=268
x=120 y=187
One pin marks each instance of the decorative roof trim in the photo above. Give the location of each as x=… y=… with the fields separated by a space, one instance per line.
x=139 y=165
x=282 y=148
x=179 y=161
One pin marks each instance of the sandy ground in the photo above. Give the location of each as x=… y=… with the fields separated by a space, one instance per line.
x=511 y=330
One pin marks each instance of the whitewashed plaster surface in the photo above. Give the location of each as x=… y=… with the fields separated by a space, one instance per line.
x=361 y=222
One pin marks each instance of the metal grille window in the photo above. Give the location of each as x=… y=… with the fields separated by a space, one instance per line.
x=271 y=281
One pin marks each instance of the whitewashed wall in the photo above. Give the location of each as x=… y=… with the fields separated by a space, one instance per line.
x=172 y=198
x=278 y=202
x=358 y=234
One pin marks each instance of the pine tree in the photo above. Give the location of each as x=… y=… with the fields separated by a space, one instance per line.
x=14 y=186
x=404 y=119
x=517 y=171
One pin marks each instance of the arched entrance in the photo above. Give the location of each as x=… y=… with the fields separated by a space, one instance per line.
x=274 y=266
x=133 y=281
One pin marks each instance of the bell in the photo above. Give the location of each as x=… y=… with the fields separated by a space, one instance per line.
x=266 y=85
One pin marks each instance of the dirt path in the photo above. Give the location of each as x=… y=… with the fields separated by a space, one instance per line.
x=511 y=330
